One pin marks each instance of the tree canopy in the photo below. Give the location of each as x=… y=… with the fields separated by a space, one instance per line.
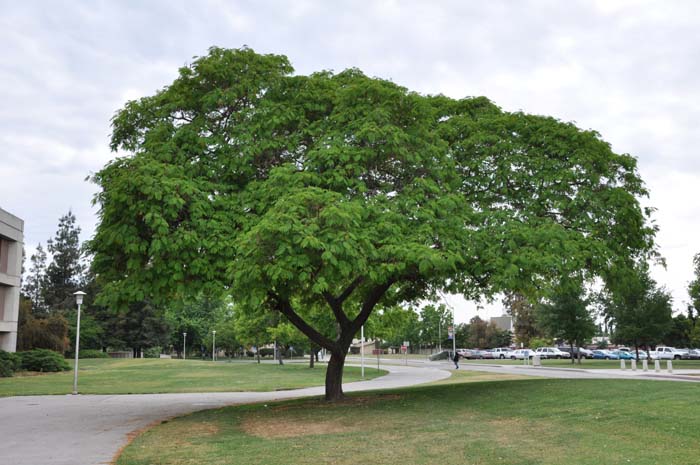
x=565 y=315
x=341 y=191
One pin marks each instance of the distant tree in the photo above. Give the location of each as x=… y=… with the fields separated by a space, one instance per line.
x=524 y=319
x=48 y=332
x=64 y=273
x=345 y=192
x=433 y=324
x=397 y=324
x=142 y=325
x=477 y=333
x=197 y=316
x=497 y=337
x=639 y=311
x=35 y=284
x=680 y=332
x=566 y=315
x=694 y=290
x=462 y=335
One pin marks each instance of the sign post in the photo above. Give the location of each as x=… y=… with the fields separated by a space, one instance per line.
x=377 y=352
x=362 y=350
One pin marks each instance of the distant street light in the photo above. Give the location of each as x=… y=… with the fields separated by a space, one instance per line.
x=79 y=300
x=213 y=345
x=184 y=346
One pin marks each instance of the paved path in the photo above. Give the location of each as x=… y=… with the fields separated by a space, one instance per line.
x=90 y=429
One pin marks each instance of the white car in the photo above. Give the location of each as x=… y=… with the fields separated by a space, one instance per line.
x=520 y=354
x=501 y=352
x=551 y=352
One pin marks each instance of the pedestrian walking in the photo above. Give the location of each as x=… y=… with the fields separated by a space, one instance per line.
x=456 y=360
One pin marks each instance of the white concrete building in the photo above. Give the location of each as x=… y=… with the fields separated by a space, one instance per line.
x=11 y=242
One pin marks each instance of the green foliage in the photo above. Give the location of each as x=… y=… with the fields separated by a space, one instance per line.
x=91 y=332
x=536 y=342
x=152 y=352
x=566 y=315
x=92 y=353
x=694 y=285
x=434 y=322
x=395 y=325
x=695 y=337
x=43 y=360
x=47 y=332
x=640 y=312
x=197 y=316
x=34 y=285
x=679 y=335
x=524 y=319
x=9 y=363
x=64 y=273
x=335 y=193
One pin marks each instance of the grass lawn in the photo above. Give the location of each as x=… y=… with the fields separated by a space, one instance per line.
x=145 y=376
x=591 y=364
x=549 y=422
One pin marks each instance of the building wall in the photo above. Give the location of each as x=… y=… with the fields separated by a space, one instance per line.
x=503 y=322
x=11 y=242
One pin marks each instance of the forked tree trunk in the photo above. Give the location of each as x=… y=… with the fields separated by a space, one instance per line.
x=334 y=376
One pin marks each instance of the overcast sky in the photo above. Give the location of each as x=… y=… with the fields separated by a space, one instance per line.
x=628 y=69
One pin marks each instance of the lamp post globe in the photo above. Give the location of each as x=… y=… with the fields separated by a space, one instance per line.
x=78 y=300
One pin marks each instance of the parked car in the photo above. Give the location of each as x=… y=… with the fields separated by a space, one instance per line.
x=694 y=354
x=520 y=354
x=482 y=354
x=623 y=354
x=551 y=352
x=585 y=353
x=667 y=353
x=501 y=352
x=601 y=354
x=472 y=354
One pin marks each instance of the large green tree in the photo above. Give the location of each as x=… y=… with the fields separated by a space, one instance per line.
x=344 y=192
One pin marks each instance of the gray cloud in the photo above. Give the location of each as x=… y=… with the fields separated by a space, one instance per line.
x=627 y=69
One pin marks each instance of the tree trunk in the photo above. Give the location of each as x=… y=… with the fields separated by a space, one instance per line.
x=334 y=376
x=312 y=354
x=573 y=356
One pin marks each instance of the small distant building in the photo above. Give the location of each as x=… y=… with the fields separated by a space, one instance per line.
x=11 y=242
x=503 y=322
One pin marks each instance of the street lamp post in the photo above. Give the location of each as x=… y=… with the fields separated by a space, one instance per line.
x=213 y=345
x=454 y=333
x=79 y=300
x=184 y=346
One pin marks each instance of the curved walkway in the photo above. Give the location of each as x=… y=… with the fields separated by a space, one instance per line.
x=90 y=429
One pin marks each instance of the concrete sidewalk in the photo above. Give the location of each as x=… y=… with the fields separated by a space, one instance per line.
x=90 y=429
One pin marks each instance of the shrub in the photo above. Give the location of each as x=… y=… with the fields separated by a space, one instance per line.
x=43 y=360
x=12 y=359
x=9 y=363
x=92 y=353
x=152 y=352
x=265 y=351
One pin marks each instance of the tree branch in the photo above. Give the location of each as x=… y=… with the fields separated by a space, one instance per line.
x=284 y=307
x=375 y=294
x=351 y=288
x=337 y=308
